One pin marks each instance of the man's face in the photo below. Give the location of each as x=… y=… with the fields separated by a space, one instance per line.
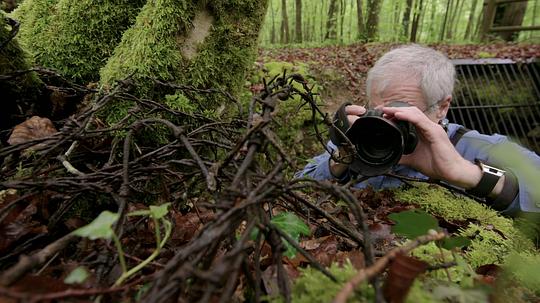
x=405 y=90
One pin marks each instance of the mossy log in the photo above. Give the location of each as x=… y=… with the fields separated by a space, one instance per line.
x=22 y=91
x=204 y=44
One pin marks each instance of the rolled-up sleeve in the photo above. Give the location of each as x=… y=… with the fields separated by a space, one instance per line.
x=318 y=168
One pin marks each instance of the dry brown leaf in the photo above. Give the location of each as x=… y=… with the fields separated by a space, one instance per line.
x=31 y=129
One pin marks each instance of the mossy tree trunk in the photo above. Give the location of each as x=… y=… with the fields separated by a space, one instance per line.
x=19 y=93
x=75 y=37
x=206 y=44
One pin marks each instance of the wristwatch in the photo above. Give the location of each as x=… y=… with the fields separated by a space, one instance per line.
x=490 y=177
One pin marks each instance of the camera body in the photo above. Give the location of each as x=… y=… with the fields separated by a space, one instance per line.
x=380 y=142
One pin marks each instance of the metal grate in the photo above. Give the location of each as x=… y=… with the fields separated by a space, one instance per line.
x=499 y=96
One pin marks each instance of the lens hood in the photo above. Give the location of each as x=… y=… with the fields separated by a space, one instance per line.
x=380 y=142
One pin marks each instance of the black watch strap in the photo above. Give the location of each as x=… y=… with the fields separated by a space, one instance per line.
x=490 y=177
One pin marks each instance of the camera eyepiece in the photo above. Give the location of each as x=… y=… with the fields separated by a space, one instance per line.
x=380 y=142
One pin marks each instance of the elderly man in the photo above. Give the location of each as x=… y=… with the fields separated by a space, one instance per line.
x=424 y=78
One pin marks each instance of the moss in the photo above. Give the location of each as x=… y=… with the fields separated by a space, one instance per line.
x=313 y=286
x=76 y=38
x=35 y=17
x=493 y=237
x=152 y=48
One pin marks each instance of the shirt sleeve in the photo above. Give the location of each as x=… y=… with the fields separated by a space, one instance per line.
x=500 y=152
x=318 y=168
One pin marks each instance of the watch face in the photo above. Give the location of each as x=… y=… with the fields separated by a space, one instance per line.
x=492 y=170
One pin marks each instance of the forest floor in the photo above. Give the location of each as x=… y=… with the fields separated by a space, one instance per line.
x=240 y=235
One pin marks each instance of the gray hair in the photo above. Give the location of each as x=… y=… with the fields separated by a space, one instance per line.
x=434 y=72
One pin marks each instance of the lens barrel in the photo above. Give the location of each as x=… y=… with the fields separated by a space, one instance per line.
x=380 y=142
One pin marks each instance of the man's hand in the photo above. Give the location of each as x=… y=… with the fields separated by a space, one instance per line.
x=353 y=113
x=435 y=156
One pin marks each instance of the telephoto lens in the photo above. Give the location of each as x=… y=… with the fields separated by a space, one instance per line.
x=380 y=142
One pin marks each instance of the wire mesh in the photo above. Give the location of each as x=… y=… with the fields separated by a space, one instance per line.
x=499 y=96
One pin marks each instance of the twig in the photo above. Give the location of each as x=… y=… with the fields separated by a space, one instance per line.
x=381 y=264
x=26 y=264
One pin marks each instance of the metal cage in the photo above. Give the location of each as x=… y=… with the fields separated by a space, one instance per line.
x=499 y=96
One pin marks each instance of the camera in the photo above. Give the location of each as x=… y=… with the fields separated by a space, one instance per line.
x=379 y=142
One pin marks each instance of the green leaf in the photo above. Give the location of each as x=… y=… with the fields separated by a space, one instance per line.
x=77 y=276
x=158 y=212
x=290 y=224
x=413 y=223
x=100 y=228
x=454 y=242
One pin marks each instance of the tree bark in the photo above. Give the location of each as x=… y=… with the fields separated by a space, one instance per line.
x=450 y=25
x=298 y=24
x=416 y=20
x=360 y=21
x=343 y=8
x=471 y=20
x=331 y=21
x=406 y=17
x=374 y=8
x=285 y=38
x=443 y=30
x=273 y=32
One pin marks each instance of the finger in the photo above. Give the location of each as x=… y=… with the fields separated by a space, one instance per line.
x=355 y=110
x=352 y=118
x=410 y=114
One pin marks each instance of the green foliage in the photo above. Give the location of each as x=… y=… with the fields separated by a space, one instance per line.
x=313 y=286
x=77 y=276
x=179 y=102
x=289 y=223
x=413 y=223
x=100 y=228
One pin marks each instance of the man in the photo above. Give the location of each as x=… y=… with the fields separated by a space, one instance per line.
x=424 y=78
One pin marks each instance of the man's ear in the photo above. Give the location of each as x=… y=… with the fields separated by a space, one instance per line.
x=444 y=105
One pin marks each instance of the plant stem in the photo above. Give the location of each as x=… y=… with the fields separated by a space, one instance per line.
x=120 y=253
x=125 y=275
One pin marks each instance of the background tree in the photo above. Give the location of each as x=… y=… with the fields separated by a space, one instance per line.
x=284 y=23
x=298 y=22
x=331 y=21
x=374 y=8
x=416 y=19
x=360 y=21
x=471 y=20
x=406 y=17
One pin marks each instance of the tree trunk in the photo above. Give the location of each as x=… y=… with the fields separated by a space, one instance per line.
x=298 y=25
x=360 y=21
x=75 y=38
x=20 y=93
x=450 y=25
x=471 y=20
x=448 y=5
x=374 y=8
x=416 y=20
x=273 y=32
x=343 y=9
x=285 y=38
x=457 y=19
x=510 y=14
x=208 y=46
x=406 y=17
x=331 y=21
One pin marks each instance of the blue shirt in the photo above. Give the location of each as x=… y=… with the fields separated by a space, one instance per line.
x=523 y=163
